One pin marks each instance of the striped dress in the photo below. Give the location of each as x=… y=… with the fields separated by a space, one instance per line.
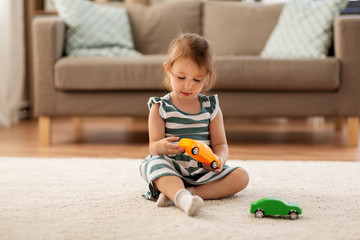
x=183 y=125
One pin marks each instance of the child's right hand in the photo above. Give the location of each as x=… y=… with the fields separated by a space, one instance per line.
x=166 y=147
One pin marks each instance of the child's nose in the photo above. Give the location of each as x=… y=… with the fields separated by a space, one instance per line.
x=188 y=85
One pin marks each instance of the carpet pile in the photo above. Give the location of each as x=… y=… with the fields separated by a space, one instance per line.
x=83 y=198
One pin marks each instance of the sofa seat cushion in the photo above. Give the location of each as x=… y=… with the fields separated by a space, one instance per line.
x=116 y=73
x=259 y=74
x=233 y=73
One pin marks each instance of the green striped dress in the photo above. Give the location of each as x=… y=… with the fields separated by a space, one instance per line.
x=183 y=125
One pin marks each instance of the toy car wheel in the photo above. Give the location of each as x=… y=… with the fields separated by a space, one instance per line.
x=214 y=165
x=195 y=151
x=293 y=215
x=199 y=164
x=259 y=213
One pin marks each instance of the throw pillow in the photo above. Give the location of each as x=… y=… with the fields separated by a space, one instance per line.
x=304 y=29
x=95 y=30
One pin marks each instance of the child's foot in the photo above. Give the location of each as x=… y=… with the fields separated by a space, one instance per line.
x=163 y=201
x=194 y=206
x=188 y=203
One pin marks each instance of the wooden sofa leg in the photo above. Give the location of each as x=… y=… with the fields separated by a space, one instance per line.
x=44 y=131
x=338 y=124
x=78 y=128
x=353 y=131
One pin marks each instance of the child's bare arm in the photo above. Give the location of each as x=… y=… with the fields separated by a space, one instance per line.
x=218 y=139
x=158 y=144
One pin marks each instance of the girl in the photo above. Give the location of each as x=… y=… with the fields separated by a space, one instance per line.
x=172 y=175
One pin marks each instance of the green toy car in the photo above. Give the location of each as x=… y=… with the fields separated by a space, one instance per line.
x=274 y=206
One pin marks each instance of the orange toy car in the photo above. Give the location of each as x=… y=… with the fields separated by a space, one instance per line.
x=200 y=152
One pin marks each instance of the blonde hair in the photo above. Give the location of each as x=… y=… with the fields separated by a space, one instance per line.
x=196 y=48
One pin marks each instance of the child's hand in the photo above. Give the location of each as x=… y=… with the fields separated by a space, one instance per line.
x=218 y=169
x=168 y=148
x=222 y=163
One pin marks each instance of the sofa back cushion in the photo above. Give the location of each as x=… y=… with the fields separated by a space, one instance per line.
x=236 y=28
x=156 y=26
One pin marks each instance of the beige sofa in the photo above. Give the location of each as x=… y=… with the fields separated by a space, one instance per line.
x=248 y=85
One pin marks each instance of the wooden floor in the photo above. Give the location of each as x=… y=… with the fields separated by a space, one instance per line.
x=249 y=139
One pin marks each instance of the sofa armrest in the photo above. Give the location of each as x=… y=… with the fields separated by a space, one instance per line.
x=48 y=45
x=347 y=51
x=346 y=38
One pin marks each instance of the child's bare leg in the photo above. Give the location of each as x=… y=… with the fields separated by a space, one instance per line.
x=234 y=182
x=173 y=188
x=169 y=185
x=163 y=201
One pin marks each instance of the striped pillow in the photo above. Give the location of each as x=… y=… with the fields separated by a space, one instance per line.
x=304 y=29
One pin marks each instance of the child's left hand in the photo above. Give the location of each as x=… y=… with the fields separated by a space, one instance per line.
x=217 y=170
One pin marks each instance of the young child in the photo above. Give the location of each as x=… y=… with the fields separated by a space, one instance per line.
x=172 y=175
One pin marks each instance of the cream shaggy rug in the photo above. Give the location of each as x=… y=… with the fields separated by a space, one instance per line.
x=83 y=198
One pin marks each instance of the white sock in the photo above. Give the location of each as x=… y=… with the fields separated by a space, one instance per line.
x=163 y=201
x=188 y=203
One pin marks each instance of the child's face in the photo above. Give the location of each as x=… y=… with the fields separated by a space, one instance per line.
x=186 y=78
